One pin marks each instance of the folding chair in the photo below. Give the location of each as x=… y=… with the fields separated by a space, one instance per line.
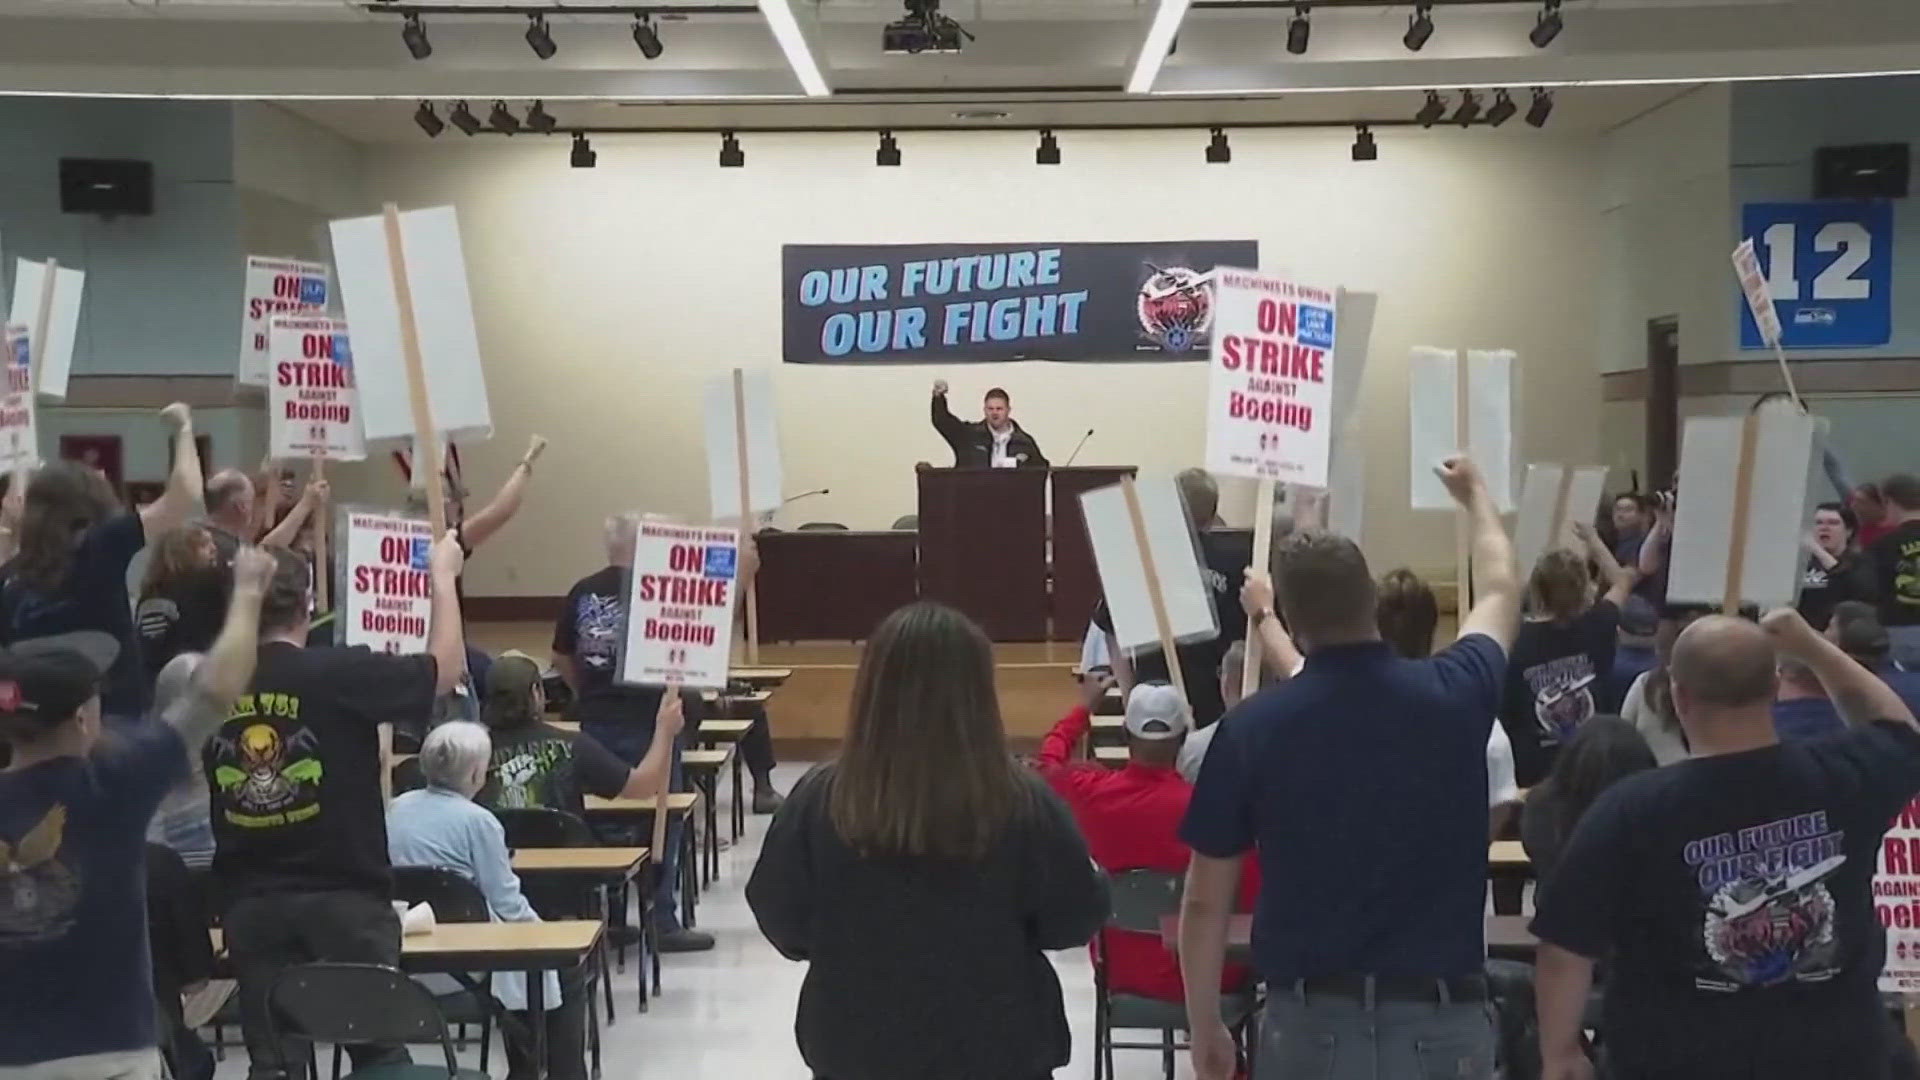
x=546 y=827
x=454 y=899
x=364 y=1003
x=1140 y=899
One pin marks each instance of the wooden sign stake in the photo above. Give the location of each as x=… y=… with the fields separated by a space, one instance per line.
x=1262 y=560
x=1558 y=531
x=1462 y=525
x=752 y=597
x=1742 y=500
x=1158 y=601
x=658 y=852
x=322 y=524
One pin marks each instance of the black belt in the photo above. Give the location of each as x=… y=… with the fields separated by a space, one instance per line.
x=1367 y=989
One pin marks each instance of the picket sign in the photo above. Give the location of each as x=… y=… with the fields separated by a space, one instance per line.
x=1144 y=548
x=1162 y=627
x=1753 y=285
x=18 y=413
x=743 y=465
x=46 y=298
x=1735 y=541
x=1549 y=499
x=1460 y=408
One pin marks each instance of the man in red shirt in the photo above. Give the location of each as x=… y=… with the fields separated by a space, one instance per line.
x=1131 y=818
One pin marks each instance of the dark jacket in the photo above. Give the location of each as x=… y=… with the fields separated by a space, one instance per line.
x=928 y=968
x=973 y=444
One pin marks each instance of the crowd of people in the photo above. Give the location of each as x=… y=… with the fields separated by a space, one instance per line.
x=195 y=751
x=1702 y=796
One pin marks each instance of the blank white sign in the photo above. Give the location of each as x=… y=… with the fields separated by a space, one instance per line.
x=723 y=447
x=1533 y=532
x=1433 y=422
x=1776 y=510
x=1176 y=562
x=63 y=320
x=443 y=315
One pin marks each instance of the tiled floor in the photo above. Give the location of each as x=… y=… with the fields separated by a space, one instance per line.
x=728 y=1014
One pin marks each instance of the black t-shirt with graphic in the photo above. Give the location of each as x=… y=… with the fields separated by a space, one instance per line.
x=185 y=617
x=539 y=765
x=1896 y=563
x=591 y=629
x=294 y=773
x=1556 y=680
x=1821 y=588
x=1731 y=897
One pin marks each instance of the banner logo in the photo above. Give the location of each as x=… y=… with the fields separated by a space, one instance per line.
x=1175 y=307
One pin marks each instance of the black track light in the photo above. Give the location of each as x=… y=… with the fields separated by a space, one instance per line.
x=462 y=117
x=1548 y=27
x=889 y=152
x=538 y=39
x=1469 y=109
x=540 y=120
x=1364 y=148
x=1541 y=108
x=1048 y=152
x=429 y=123
x=415 y=35
x=731 y=156
x=1419 y=28
x=1502 y=109
x=646 y=37
x=1299 y=30
x=502 y=119
x=1218 y=152
x=1434 y=111
x=583 y=156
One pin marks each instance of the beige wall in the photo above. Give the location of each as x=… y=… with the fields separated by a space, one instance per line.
x=606 y=297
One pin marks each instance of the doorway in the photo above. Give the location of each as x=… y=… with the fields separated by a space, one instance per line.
x=1663 y=402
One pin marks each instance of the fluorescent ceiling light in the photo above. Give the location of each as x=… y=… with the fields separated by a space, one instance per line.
x=786 y=31
x=1153 y=53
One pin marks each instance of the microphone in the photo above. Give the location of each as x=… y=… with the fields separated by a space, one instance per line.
x=803 y=495
x=1077 y=448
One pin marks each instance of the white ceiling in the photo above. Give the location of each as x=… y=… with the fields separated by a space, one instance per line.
x=1041 y=61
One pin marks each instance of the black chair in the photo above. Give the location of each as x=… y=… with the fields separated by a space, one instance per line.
x=823 y=526
x=545 y=827
x=907 y=523
x=364 y=1003
x=454 y=899
x=1140 y=899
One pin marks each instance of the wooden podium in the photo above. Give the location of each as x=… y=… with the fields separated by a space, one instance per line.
x=983 y=547
x=1076 y=580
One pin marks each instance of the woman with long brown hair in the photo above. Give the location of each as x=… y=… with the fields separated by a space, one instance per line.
x=923 y=875
x=183 y=597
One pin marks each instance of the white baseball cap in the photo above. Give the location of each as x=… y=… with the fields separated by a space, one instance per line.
x=1156 y=711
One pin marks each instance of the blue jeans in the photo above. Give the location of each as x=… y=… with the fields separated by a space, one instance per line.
x=1338 y=1038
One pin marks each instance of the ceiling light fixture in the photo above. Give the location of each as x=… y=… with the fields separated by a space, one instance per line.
x=889 y=152
x=1048 y=152
x=583 y=155
x=1502 y=109
x=1364 y=148
x=1420 y=27
x=1541 y=108
x=1434 y=111
x=731 y=156
x=540 y=120
x=502 y=119
x=1469 y=109
x=1153 y=51
x=415 y=35
x=646 y=37
x=462 y=117
x=1218 y=152
x=786 y=32
x=429 y=123
x=1548 y=27
x=1299 y=31
x=538 y=39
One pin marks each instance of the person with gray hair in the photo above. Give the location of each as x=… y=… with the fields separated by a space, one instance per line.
x=1732 y=893
x=440 y=825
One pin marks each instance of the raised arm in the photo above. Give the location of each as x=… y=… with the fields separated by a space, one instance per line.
x=1619 y=579
x=1277 y=649
x=1653 y=550
x=228 y=669
x=1497 y=612
x=480 y=526
x=446 y=641
x=1861 y=696
x=282 y=535
x=944 y=422
x=185 y=492
x=649 y=777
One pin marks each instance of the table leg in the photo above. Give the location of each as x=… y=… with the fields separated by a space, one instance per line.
x=689 y=884
x=739 y=818
x=713 y=828
x=537 y=1017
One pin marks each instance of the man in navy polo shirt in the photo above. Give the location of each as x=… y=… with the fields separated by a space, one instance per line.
x=1363 y=782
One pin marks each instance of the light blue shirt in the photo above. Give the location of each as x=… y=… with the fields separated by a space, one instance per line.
x=436 y=827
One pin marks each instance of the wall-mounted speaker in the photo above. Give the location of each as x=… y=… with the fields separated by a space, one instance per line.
x=107 y=188
x=1869 y=171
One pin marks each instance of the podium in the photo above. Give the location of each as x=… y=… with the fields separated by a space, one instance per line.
x=1076 y=579
x=983 y=547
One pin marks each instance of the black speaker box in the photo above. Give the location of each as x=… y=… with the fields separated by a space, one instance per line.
x=107 y=188
x=1870 y=171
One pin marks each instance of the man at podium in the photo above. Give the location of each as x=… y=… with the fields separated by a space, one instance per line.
x=996 y=441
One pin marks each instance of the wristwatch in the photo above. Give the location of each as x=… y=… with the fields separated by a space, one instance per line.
x=1262 y=616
